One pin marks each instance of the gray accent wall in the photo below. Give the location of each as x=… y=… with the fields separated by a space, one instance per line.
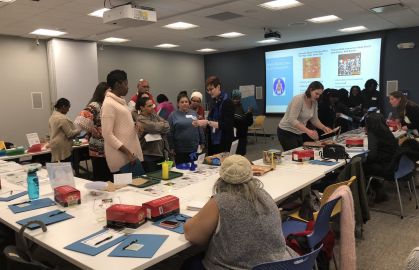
x=23 y=69
x=167 y=72
x=248 y=66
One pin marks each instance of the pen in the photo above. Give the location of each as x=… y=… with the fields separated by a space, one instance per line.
x=103 y=240
x=56 y=213
x=132 y=242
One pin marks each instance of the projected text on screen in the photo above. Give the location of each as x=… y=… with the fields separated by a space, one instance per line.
x=339 y=65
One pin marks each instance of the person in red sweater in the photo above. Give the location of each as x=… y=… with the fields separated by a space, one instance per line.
x=143 y=88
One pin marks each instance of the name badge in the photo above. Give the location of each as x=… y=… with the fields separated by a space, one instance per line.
x=191 y=116
x=373 y=98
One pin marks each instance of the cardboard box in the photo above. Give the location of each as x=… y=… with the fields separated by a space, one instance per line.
x=124 y=215
x=67 y=195
x=161 y=207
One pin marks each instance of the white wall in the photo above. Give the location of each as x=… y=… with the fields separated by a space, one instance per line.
x=167 y=72
x=23 y=69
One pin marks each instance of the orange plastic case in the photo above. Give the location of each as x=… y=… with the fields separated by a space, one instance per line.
x=124 y=215
x=67 y=195
x=162 y=207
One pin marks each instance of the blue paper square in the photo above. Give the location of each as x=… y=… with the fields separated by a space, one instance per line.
x=178 y=229
x=35 y=204
x=150 y=244
x=47 y=218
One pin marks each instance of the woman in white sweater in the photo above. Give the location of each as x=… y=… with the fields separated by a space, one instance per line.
x=303 y=108
x=118 y=128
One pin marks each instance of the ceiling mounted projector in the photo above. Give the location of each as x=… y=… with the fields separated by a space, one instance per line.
x=130 y=16
x=272 y=34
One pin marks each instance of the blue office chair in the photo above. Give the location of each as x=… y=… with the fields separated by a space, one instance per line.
x=304 y=262
x=321 y=227
x=404 y=172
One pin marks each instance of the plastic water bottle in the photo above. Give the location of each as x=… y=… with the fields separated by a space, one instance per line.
x=33 y=184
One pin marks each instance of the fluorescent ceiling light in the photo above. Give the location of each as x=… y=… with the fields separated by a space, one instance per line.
x=47 y=32
x=231 y=35
x=280 y=4
x=98 y=13
x=267 y=41
x=206 y=50
x=115 y=40
x=166 y=45
x=180 y=26
x=325 y=19
x=353 y=29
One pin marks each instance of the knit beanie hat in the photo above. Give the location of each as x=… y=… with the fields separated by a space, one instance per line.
x=196 y=94
x=235 y=170
x=236 y=93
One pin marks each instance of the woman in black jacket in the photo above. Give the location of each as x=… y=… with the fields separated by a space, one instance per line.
x=242 y=121
x=382 y=146
x=408 y=110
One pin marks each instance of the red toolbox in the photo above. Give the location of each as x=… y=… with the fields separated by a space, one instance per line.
x=302 y=155
x=124 y=215
x=354 y=142
x=67 y=195
x=161 y=207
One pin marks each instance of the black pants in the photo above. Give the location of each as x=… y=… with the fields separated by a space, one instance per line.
x=194 y=263
x=150 y=163
x=101 y=170
x=182 y=157
x=241 y=147
x=288 y=139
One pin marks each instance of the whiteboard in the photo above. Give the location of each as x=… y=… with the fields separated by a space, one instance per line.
x=73 y=72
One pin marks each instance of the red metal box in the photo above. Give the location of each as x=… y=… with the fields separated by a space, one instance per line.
x=302 y=155
x=124 y=215
x=354 y=142
x=162 y=207
x=66 y=195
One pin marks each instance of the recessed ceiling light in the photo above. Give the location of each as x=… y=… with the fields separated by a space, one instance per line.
x=167 y=45
x=280 y=4
x=353 y=29
x=115 y=40
x=47 y=32
x=267 y=41
x=206 y=50
x=324 y=19
x=180 y=26
x=231 y=35
x=98 y=13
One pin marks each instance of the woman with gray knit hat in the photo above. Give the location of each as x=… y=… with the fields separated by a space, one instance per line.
x=240 y=224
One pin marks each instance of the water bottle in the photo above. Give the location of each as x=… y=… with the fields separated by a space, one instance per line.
x=33 y=184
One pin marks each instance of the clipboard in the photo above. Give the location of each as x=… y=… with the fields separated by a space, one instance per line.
x=99 y=242
x=47 y=218
x=31 y=205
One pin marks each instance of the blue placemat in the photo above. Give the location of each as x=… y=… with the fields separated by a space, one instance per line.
x=47 y=218
x=139 y=246
x=82 y=245
x=13 y=196
x=31 y=205
x=181 y=218
x=323 y=162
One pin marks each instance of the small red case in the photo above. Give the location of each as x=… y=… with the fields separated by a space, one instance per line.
x=354 y=142
x=393 y=125
x=124 y=215
x=67 y=195
x=35 y=148
x=161 y=207
x=302 y=155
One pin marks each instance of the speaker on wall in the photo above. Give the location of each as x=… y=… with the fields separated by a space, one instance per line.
x=37 y=102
